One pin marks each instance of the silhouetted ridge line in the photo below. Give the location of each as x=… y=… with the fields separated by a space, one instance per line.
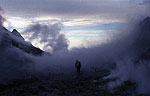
x=15 y=39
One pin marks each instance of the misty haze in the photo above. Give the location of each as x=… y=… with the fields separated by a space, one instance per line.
x=74 y=47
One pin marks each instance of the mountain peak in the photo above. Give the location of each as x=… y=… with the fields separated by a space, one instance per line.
x=14 y=30
x=16 y=33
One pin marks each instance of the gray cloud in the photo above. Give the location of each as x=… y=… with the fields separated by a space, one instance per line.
x=115 y=9
x=142 y=2
x=49 y=34
x=146 y=2
x=1 y=17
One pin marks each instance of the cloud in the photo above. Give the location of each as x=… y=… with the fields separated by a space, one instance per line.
x=142 y=2
x=49 y=35
x=19 y=22
x=2 y=19
x=108 y=9
x=133 y=62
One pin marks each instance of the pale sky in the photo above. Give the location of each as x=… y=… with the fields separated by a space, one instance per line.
x=86 y=22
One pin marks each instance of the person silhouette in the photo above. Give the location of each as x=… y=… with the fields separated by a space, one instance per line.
x=78 y=66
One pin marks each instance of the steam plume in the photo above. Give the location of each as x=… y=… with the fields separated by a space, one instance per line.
x=49 y=34
x=2 y=19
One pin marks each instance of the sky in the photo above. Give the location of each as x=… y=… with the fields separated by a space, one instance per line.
x=86 y=23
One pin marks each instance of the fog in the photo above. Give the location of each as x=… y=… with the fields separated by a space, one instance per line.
x=128 y=51
x=49 y=34
x=1 y=17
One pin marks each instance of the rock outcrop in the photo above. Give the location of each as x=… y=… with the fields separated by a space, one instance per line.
x=16 y=40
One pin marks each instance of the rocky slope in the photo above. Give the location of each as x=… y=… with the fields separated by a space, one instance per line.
x=16 y=40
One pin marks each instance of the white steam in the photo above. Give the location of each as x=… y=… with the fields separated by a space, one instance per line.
x=49 y=35
x=134 y=62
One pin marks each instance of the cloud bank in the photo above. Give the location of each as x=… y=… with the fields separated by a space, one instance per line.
x=49 y=34
x=1 y=17
x=108 y=9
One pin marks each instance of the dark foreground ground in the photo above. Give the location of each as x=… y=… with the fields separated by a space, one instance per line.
x=70 y=85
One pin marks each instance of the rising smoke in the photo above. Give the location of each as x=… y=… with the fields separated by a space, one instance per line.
x=2 y=19
x=134 y=62
x=50 y=35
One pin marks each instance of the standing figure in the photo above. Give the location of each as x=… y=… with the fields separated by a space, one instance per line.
x=78 y=66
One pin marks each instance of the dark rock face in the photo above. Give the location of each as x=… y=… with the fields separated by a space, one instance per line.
x=15 y=56
x=142 y=44
x=16 y=40
x=32 y=50
x=16 y=33
x=145 y=32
